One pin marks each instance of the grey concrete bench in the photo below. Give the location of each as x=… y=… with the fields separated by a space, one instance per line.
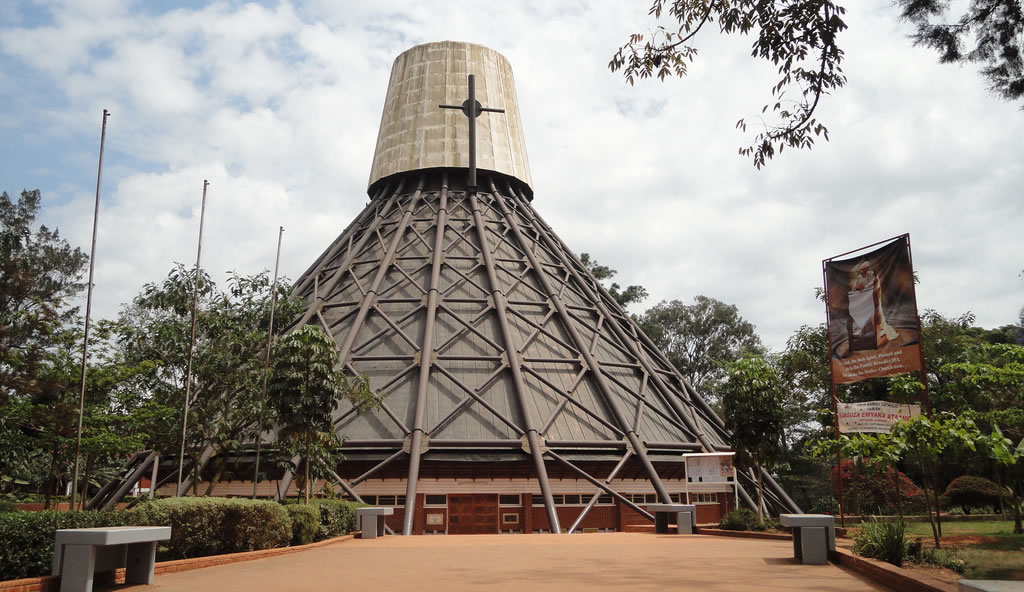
x=989 y=586
x=684 y=516
x=814 y=535
x=80 y=553
x=370 y=521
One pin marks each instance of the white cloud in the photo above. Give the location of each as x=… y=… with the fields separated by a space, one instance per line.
x=279 y=106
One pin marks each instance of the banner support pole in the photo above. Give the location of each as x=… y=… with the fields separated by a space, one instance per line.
x=835 y=396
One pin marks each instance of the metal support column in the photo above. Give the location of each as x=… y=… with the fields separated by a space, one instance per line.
x=514 y=363
x=581 y=344
x=426 y=359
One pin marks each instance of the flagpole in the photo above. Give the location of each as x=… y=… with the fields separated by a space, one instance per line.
x=192 y=339
x=88 y=312
x=266 y=364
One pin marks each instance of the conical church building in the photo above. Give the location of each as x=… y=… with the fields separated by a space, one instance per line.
x=518 y=395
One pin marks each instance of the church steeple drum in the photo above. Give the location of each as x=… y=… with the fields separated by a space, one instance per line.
x=416 y=134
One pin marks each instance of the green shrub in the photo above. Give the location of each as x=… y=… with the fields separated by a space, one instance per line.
x=825 y=504
x=971 y=492
x=948 y=558
x=27 y=537
x=741 y=519
x=305 y=522
x=212 y=526
x=337 y=517
x=7 y=505
x=881 y=540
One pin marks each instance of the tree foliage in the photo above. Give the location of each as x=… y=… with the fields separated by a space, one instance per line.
x=800 y=38
x=995 y=29
x=624 y=296
x=752 y=401
x=227 y=369
x=39 y=273
x=305 y=389
x=700 y=338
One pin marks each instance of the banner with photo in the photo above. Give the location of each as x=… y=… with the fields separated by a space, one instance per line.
x=872 y=314
x=873 y=416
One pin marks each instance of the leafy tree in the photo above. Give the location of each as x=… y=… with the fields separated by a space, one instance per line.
x=700 y=338
x=39 y=273
x=624 y=297
x=926 y=440
x=227 y=369
x=801 y=39
x=994 y=27
x=752 y=400
x=305 y=388
x=992 y=376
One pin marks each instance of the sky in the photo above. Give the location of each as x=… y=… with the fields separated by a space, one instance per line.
x=278 y=104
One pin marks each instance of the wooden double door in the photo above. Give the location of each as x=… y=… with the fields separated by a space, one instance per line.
x=473 y=513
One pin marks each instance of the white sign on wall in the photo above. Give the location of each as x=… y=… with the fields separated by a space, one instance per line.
x=713 y=468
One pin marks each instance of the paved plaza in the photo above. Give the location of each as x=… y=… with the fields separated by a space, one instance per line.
x=613 y=561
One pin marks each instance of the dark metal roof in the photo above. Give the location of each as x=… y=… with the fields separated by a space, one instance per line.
x=471 y=392
x=478 y=325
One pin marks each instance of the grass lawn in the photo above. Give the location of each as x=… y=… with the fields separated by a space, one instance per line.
x=984 y=528
x=987 y=549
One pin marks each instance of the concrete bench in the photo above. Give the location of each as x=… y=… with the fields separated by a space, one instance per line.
x=683 y=515
x=814 y=535
x=80 y=553
x=989 y=586
x=370 y=521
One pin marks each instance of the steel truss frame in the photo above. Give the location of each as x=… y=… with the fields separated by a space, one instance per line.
x=505 y=268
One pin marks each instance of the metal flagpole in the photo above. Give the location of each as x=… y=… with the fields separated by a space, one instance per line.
x=266 y=364
x=192 y=340
x=88 y=312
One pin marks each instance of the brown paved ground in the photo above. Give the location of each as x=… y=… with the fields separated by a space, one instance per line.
x=612 y=561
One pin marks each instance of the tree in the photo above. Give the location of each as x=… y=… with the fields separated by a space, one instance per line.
x=39 y=273
x=304 y=390
x=752 y=401
x=800 y=38
x=227 y=369
x=995 y=27
x=700 y=338
x=926 y=439
x=601 y=273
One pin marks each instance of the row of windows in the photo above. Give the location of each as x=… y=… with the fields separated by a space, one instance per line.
x=384 y=500
x=572 y=499
x=568 y=499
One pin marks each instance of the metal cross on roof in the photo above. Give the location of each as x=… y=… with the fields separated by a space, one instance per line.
x=472 y=109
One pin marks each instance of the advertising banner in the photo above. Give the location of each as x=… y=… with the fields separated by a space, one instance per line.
x=872 y=314
x=873 y=416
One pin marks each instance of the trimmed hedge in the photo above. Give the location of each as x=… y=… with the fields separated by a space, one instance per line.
x=337 y=517
x=212 y=525
x=305 y=523
x=970 y=492
x=199 y=527
x=26 y=538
